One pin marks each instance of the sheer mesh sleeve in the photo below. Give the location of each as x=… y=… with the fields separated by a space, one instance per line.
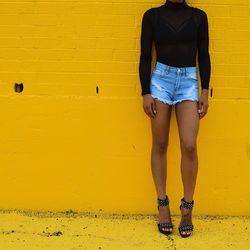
x=146 y=52
x=203 y=52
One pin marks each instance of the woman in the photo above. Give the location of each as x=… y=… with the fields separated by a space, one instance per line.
x=179 y=31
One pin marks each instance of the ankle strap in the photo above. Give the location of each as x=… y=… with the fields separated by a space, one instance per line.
x=163 y=202
x=186 y=204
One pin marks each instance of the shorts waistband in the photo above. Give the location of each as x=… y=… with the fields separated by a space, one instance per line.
x=192 y=69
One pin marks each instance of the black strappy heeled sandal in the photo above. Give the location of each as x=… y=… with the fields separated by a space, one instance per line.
x=190 y=227
x=167 y=225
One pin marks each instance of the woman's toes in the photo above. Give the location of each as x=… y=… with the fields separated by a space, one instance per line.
x=167 y=229
x=188 y=232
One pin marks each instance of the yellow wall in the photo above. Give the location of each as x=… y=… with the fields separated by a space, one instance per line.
x=63 y=145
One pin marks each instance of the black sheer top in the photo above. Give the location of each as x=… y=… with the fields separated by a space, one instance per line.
x=178 y=32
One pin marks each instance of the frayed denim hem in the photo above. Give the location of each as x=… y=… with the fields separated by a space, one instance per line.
x=188 y=99
x=162 y=100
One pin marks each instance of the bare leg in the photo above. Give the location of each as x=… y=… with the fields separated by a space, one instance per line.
x=160 y=132
x=188 y=125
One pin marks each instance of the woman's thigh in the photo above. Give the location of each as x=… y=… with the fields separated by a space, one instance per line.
x=160 y=124
x=188 y=122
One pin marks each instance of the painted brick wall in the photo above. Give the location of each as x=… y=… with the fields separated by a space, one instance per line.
x=77 y=137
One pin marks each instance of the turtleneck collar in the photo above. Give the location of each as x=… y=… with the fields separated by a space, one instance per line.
x=176 y=5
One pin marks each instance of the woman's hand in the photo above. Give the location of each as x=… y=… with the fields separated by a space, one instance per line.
x=149 y=105
x=203 y=103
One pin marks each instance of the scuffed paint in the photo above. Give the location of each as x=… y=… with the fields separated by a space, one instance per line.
x=72 y=230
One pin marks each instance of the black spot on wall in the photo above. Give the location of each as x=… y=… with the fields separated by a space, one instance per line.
x=18 y=87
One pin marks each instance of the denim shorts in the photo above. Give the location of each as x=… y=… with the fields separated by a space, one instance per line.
x=171 y=84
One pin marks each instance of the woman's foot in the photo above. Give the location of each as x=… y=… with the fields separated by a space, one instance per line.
x=165 y=225
x=186 y=225
x=164 y=217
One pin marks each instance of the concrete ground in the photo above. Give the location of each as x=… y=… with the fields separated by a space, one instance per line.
x=71 y=230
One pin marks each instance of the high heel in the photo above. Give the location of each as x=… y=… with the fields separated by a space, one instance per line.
x=165 y=225
x=190 y=227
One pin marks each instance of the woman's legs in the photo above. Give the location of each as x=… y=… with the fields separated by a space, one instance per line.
x=160 y=133
x=188 y=125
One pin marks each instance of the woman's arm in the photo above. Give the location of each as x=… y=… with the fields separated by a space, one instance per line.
x=146 y=52
x=203 y=51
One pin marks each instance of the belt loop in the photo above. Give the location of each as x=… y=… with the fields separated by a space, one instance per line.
x=185 y=71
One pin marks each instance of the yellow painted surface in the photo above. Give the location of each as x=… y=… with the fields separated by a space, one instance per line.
x=66 y=146
x=75 y=231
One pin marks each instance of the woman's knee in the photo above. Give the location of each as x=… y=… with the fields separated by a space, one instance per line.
x=189 y=147
x=160 y=146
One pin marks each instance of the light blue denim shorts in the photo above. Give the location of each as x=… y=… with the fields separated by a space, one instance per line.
x=173 y=84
